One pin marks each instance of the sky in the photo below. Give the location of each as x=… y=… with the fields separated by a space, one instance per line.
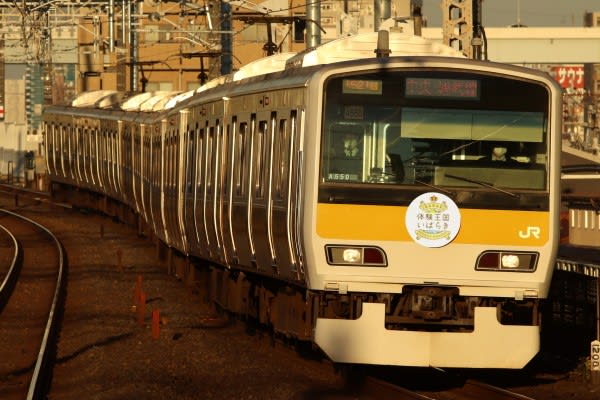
x=530 y=12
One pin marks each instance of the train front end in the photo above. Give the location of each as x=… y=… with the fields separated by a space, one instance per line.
x=431 y=210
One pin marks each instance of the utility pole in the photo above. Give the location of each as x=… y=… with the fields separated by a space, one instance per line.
x=462 y=28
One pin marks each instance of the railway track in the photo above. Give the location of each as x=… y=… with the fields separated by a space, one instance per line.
x=434 y=385
x=32 y=293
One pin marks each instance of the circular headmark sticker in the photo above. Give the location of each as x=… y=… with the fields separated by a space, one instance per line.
x=433 y=219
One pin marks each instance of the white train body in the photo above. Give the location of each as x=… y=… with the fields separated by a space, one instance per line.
x=348 y=202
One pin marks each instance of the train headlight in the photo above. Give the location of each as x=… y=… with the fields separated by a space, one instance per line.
x=352 y=256
x=510 y=261
x=507 y=261
x=368 y=256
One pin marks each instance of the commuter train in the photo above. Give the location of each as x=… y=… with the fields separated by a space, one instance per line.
x=394 y=209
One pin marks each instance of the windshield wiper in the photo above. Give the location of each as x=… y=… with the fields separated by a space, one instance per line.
x=482 y=183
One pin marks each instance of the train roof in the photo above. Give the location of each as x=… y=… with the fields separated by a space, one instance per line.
x=263 y=66
x=347 y=48
x=90 y=99
x=148 y=101
x=363 y=46
x=126 y=101
x=360 y=46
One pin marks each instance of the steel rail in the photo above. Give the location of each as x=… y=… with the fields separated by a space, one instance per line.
x=35 y=384
x=11 y=270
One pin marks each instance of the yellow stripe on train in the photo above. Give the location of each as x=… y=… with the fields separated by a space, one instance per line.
x=376 y=222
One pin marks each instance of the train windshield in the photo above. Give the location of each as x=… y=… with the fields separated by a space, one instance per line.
x=443 y=129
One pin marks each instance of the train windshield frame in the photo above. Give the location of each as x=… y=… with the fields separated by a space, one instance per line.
x=454 y=130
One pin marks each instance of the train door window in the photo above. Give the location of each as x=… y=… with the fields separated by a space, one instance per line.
x=270 y=168
x=166 y=156
x=146 y=154
x=122 y=143
x=190 y=156
x=156 y=160
x=170 y=160
x=174 y=159
x=93 y=155
x=199 y=158
x=69 y=140
x=241 y=155
x=220 y=156
x=67 y=154
x=107 y=135
x=209 y=156
x=259 y=158
x=80 y=150
x=281 y=156
x=49 y=138
x=224 y=157
x=100 y=144
x=134 y=154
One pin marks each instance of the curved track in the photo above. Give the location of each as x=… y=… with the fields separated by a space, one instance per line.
x=9 y=252
x=31 y=300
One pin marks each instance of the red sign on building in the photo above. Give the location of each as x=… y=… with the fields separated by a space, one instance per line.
x=569 y=76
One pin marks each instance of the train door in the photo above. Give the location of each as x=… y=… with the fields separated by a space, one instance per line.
x=171 y=190
x=66 y=153
x=101 y=152
x=189 y=180
x=240 y=199
x=76 y=153
x=150 y=176
x=213 y=186
x=225 y=193
x=200 y=191
x=124 y=163
x=93 y=155
x=110 y=157
x=161 y=177
x=84 y=154
x=182 y=181
x=230 y=161
x=135 y=165
x=261 y=216
x=91 y=144
x=144 y=170
x=111 y=133
x=283 y=195
x=119 y=160
x=50 y=129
